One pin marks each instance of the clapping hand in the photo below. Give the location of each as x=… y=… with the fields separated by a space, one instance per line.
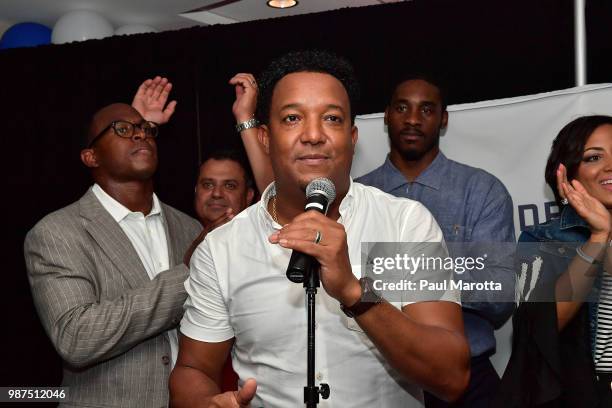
x=588 y=207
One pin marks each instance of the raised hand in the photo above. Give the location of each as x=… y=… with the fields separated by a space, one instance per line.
x=246 y=96
x=588 y=208
x=150 y=100
x=244 y=108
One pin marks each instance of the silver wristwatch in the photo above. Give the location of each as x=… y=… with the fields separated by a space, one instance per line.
x=251 y=123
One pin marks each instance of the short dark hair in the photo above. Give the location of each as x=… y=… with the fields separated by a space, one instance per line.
x=306 y=61
x=235 y=156
x=429 y=78
x=568 y=148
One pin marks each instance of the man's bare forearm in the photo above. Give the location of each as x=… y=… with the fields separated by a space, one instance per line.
x=432 y=356
x=258 y=159
x=191 y=388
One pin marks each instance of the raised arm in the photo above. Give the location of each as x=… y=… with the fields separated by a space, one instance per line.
x=244 y=109
x=576 y=282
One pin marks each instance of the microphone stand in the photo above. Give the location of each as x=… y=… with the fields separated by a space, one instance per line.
x=311 y=391
x=320 y=193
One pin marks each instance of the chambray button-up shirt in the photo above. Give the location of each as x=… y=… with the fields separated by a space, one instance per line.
x=470 y=205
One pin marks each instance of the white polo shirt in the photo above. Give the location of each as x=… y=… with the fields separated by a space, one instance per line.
x=238 y=289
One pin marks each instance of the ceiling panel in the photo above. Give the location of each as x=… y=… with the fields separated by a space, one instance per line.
x=163 y=14
x=247 y=10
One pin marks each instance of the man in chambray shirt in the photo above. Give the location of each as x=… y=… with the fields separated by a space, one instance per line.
x=469 y=204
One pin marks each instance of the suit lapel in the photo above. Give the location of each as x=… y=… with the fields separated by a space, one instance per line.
x=170 y=226
x=113 y=241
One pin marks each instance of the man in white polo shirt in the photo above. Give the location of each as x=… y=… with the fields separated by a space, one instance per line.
x=371 y=354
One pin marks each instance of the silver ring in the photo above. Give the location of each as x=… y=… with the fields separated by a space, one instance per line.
x=253 y=83
x=564 y=201
x=318 y=237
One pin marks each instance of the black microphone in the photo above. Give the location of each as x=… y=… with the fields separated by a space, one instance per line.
x=320 y=193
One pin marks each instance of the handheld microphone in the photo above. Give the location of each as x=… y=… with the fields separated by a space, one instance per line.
x=320 y=193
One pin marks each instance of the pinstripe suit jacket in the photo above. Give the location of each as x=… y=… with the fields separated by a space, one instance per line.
x=105 y=316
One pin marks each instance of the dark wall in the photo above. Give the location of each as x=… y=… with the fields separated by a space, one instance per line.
x=599 y=44
x=485 y=49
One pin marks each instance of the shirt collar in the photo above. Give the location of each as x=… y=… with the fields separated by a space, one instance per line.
x=348 y=203
x=430 y=177
x=117 y=210
x=346 y=206
x=268 y=193
x=571 y=219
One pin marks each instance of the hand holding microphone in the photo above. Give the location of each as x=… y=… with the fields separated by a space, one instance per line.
x=320 y=193
x=313 y=234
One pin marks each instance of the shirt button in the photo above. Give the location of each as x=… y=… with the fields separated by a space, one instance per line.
x=319 y=376
x=165 y=360
x=561 y=250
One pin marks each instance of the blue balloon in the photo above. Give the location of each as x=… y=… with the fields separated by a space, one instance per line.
x=25 y=35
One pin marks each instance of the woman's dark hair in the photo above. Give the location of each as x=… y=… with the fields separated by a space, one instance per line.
x=568 y=148
x=306 y=61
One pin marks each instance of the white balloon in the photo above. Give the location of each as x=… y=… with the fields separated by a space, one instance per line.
x=135 y=29
x=80 y=26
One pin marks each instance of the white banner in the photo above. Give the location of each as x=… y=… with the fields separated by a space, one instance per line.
x=510 y=138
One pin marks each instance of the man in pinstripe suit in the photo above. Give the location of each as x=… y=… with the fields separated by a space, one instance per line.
x=107 y=271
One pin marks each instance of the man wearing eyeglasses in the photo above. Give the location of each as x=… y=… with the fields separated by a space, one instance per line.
x=107 y=272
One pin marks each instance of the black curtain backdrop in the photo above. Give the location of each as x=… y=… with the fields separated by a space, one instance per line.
x=599 y=41
x=484 y=49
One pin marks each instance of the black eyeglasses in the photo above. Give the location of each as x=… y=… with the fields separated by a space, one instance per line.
x=127 y=130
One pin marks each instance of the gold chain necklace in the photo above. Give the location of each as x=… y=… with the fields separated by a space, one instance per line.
x=274 y=210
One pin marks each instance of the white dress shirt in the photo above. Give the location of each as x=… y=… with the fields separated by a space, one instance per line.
x=148 y=236
x=238 y=289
